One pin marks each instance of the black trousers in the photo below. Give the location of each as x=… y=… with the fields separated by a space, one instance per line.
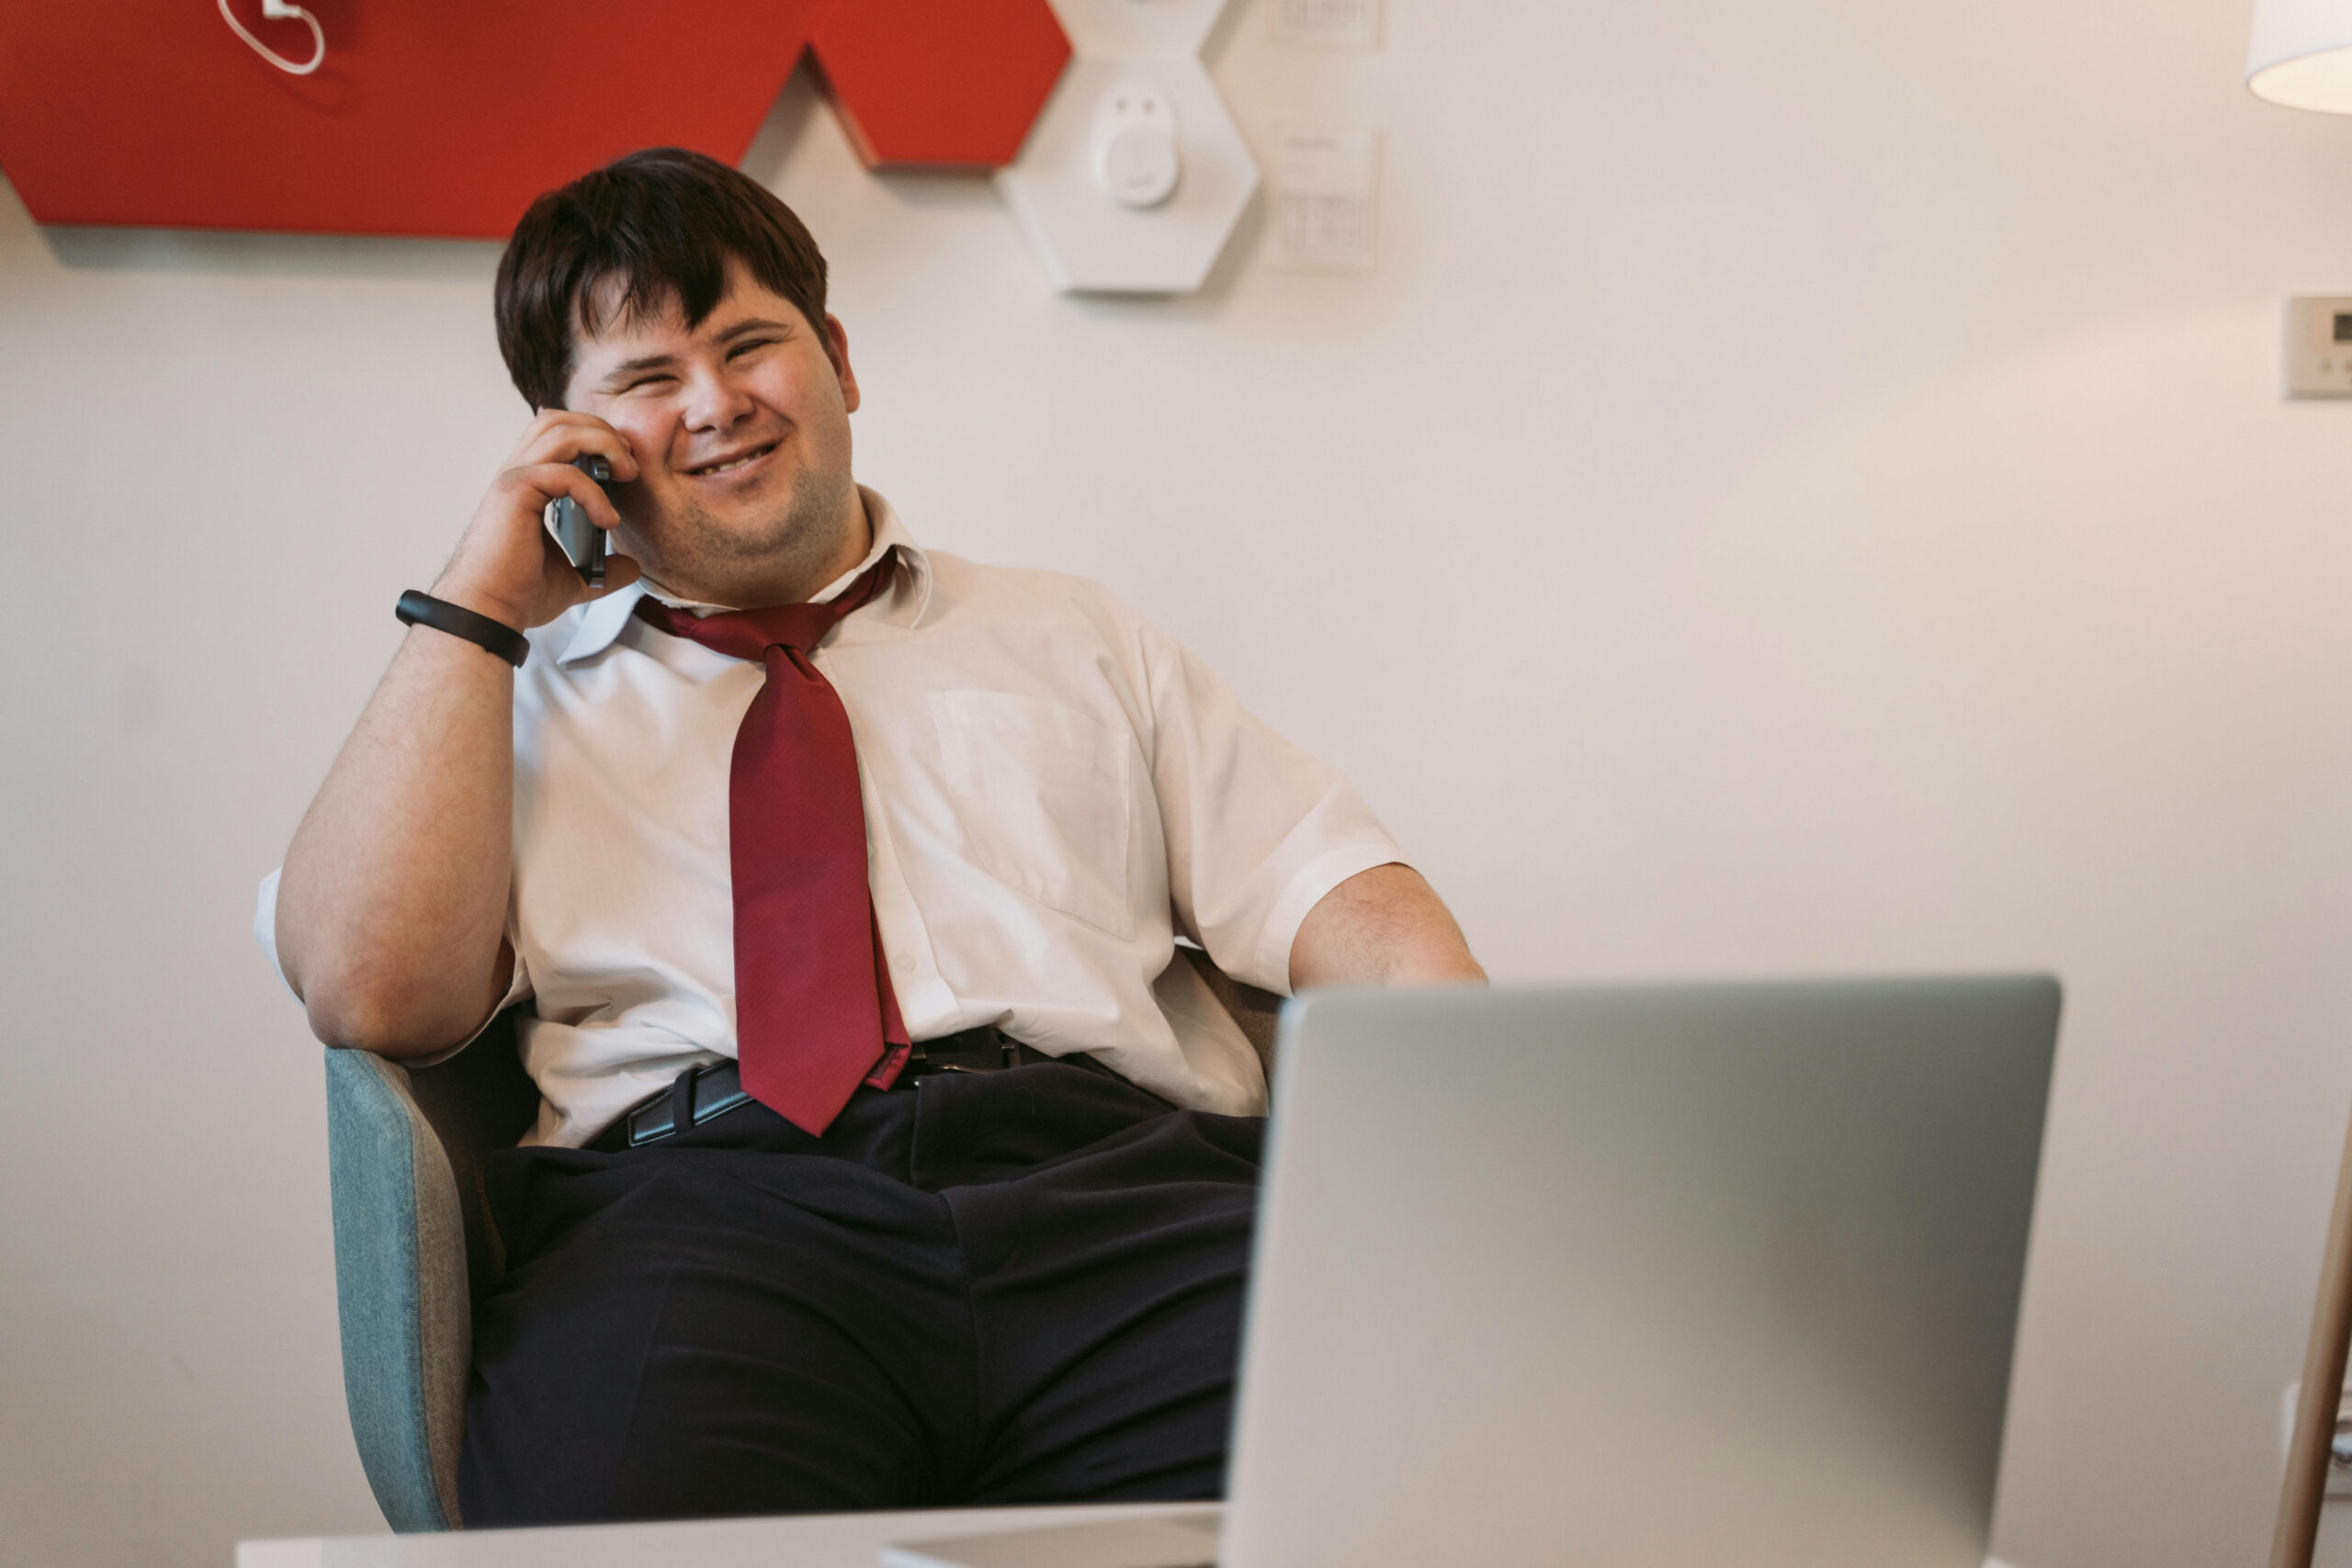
x=1015 y=1287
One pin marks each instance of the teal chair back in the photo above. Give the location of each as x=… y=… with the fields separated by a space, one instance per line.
x=414 y=1249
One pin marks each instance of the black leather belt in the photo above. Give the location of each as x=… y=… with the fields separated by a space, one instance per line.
x=704 y=1093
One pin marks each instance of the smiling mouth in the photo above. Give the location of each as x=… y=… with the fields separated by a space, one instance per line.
x=734 y=463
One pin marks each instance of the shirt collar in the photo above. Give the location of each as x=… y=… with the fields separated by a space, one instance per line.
x=903 y=604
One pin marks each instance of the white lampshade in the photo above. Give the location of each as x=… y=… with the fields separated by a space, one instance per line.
x=2302 y=54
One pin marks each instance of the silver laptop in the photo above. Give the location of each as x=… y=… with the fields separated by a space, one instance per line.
x=1649 y=1277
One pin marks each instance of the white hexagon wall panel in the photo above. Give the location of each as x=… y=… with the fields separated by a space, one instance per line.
x=1133 y=29
x=1091 y=186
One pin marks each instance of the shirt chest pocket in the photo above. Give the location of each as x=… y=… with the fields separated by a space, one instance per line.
x=1040 y=795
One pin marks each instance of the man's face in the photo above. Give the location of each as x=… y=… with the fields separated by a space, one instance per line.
x=740 y=429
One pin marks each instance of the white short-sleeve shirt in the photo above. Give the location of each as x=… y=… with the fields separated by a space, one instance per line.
x=1054 y=790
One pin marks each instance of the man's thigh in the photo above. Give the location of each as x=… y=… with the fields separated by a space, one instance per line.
x=1107 y=1291
x=714 y=1331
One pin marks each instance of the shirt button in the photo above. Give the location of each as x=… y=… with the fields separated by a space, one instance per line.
x=903 y=960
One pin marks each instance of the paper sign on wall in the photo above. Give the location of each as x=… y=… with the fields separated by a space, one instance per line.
x=1328 y=24
x=1324 y=211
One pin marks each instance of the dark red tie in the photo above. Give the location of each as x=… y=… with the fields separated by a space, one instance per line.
x=815 y=1015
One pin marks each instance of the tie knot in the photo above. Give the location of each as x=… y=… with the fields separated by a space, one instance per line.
x=749 y=633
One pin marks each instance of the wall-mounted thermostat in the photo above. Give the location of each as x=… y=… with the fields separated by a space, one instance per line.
x=1136 y=156
x=2319 y=345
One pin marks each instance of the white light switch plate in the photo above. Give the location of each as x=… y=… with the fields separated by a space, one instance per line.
x=2318 y=356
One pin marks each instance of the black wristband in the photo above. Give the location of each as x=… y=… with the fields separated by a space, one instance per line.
x=423 y=610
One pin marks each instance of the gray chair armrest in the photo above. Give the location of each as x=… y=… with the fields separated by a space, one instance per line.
x=400 y=1290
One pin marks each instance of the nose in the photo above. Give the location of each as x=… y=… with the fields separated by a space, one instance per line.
x=713 y=401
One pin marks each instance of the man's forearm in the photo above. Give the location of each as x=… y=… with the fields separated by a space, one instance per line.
x=391 y=910
x=1382 y=927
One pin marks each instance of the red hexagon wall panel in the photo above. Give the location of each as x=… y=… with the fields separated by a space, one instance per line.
x=446 y=117
x=940 y=83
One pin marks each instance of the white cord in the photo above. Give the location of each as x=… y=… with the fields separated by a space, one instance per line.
x=317 y=35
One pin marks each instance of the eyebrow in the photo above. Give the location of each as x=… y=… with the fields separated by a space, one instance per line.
x=628 y=367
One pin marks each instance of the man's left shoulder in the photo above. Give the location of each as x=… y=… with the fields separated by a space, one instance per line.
x=1025 y=592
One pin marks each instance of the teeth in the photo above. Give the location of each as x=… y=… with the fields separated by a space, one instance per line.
x=735 y=463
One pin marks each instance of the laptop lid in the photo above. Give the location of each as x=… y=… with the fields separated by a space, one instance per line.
x=1646 y=1277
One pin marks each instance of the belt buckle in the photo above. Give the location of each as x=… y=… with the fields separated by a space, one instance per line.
x=998 y=1055
x=681 y=1107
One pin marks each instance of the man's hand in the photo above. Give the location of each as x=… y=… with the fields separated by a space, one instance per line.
x=1382 y=927
x=505 y=567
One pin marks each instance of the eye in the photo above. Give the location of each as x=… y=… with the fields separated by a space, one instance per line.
x=750 y=346
x=644 y=382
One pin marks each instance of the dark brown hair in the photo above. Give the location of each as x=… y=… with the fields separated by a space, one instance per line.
x=643 y=232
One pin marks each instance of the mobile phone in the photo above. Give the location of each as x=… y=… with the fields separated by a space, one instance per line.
x=582 y=542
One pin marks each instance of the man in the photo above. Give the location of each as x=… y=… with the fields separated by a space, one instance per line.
x=889 y=1154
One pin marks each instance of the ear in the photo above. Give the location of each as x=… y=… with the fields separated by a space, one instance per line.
x=837 y=350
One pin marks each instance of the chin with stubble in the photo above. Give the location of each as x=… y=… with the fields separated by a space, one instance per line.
x=747 y=564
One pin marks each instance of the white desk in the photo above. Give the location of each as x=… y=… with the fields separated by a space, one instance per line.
x=817 y=1541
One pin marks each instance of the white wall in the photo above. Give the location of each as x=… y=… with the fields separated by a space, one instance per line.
x=1805 y=491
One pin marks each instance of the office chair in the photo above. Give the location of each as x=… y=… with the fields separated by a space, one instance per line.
x=414 y=1247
